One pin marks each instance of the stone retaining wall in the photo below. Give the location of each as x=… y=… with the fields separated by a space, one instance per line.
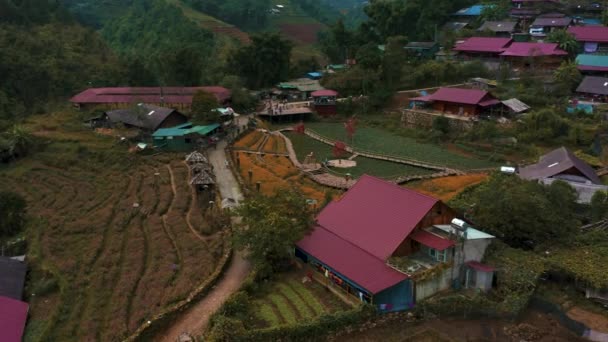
x=417 y=119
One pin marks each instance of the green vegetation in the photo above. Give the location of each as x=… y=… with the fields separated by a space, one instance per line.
x=203 y=104
x=303 y=145
x=246 y=14
x=12 y=215
x=270 y=227
x=384 y=142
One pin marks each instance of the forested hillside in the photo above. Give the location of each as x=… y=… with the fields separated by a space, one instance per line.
x=246 y=14
x=50 y=57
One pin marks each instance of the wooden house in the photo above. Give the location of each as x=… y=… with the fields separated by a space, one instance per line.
x=499 y=28
x=124 y=97
x=595 y=65
x=482 y=47
x=592 y=39
x=388 y=245
x=459 y=101
x=542 y=26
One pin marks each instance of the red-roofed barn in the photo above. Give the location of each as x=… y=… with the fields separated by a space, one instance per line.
x=174 y=97
x=373 y=244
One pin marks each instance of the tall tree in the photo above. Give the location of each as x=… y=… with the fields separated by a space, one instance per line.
x=270 y=227
x=567 y=76
x=12 y=214
x=202 y=110
x=565 y=40
x=393 y=60
x=265 y=62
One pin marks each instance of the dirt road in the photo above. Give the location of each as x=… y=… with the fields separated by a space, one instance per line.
x=195 y=320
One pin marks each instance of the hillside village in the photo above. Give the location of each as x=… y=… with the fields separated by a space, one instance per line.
x=304 y=170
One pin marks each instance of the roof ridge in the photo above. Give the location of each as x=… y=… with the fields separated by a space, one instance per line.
x=395 y=186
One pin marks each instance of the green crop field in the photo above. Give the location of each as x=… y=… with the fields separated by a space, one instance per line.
x=303 y=145
x=381 y=141
x=287 y=300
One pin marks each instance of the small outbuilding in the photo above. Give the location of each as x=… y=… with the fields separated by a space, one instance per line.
x=499 y=28
x=325 y=101
x=594 y=88
x=185 y=137
x=12 y=277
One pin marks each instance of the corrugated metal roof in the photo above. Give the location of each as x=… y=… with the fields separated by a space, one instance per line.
x=556 y=162
x=431 y=240
x=459 y=95
x=181 y=130
x=324 y=92
x=552 y=22
x=594 y=61
x=376 y=215
x=593 y=85
x=498 y=26
x=352 y=262
x=13 y=316
x=472 y=11
x=533 y=49
x=516 y=105
x=483 y=44
x=147 y=95
x=145 y=116
x=590 y=33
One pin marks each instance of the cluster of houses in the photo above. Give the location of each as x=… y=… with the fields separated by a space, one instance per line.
x=153 y=113
x=13 y=311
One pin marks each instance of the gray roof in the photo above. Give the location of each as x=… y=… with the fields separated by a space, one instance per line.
x=202 y=178
x=12 y=277
x=145 y=116
x=554 y=22
x=454 y=26
x=556 y=162
x=196 y=157
x=585 y=191
x=593 y=85
x=420 y=45
x=516 y=105
x=498 y=26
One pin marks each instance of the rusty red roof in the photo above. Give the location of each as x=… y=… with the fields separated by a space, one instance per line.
x=350 y=261
x=533 y=49
x=431 y=240
x=376 y=215
x=147 y=94
x=479 y=266
x=13 y=316
x=597 y=34
x=461 y=95
x=483 y=44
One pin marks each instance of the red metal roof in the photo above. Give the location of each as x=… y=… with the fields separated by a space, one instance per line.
x=533 y=49
x=147 y=94
x=13 y=315
x=376 y=215
x=479 y=266
x=432 y=240
x=324 y=92
x=590 y=33
x=592 y=68
x=460 y=95
x=483 y=44
x=357 y=265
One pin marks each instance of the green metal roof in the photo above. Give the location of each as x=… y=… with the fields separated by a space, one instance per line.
x=592 y=60
x=184 y=129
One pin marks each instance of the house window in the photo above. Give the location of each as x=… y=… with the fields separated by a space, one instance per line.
x=440 y=256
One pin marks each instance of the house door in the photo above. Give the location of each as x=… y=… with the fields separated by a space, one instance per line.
x=471 y=278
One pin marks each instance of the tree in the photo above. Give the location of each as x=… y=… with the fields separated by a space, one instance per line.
x=270 y=226
x=441 y=124
x=12 y=214
x=393 y=60
x=567 y=76
x=15 y=143
x=265 y=62
x=599 y=206
x=203 y=105
x=519 y=212
x=565 y=40
x=495 y=11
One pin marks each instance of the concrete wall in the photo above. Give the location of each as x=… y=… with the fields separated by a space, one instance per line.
x=429 y=287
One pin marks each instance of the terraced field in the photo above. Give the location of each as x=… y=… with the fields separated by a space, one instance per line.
x=288 y=300
x=109 y=229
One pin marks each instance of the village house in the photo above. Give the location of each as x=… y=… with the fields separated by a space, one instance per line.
x=537 y=55
x=186 y=137
x=145 y=117
x=500 y=28
x=458 y=101
x=561 y=164
x=470 y=14
x=596 y=65
x=593 y=88
x=325 y=102
x=542 y=26
x=299 y=89
x=482 y=47
x=123 y=97
x=528 y=9
x=13 y=312
x=391 y=246
x=592 y=39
